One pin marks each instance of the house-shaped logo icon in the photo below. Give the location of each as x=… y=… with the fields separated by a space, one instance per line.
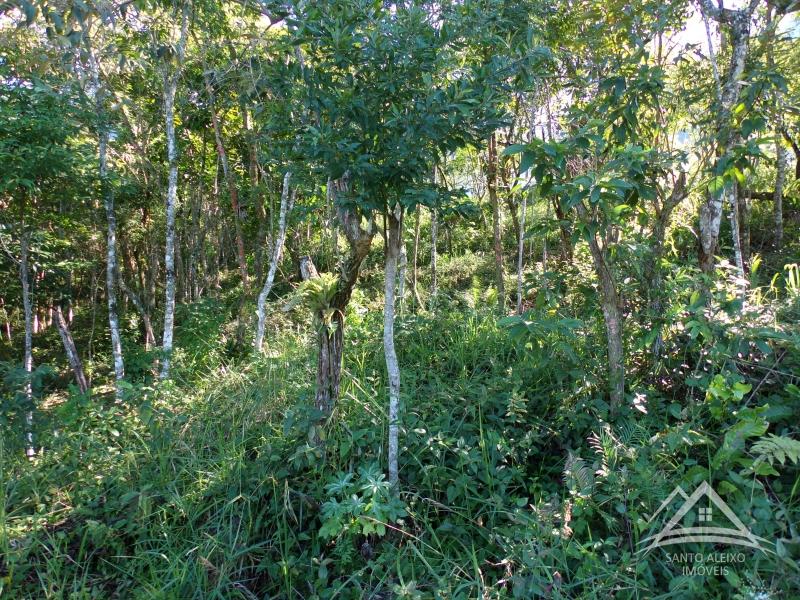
x=672 y=533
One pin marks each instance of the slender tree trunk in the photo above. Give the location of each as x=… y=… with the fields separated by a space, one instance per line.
x=491 y=185
x=653 y=275
x=111 y=266
x=330 y=207
x=6 y=318
x=434 y=253
x=736 y=235
x=402 y=267
x=71 y=351
x=394 y=240
x=27 y=308
x=612 y=316
x=521 y=253
x=111 y=236
x=233 y=192
x=149 y=335
x=780 y=181
x=738 y=23
x=780 y=151
x=287 y=199
x=330 y=340
x=170 y=89
x=415 y=255
x=255 y=189
x=745 y=203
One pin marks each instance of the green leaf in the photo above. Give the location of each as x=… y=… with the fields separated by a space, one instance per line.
x=526 y=162
x=716 y=186
x=514 y=149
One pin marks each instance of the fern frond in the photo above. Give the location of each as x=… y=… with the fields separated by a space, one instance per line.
x=775 y=447
x=578 y=475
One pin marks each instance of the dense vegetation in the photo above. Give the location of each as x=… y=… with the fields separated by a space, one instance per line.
x=356 y=299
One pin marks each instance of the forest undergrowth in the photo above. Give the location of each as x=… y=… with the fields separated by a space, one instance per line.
x=516 y=482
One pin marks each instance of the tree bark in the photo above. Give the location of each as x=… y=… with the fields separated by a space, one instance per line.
x=491 y=185
x=6 y=318
x=71 y=351
x=287 y=199
x=111 y=235
x=330 y=340
x=652 y=267
x=149 y=335
x=780 y=181
x=434 y=253
x=394 y=241
x=745 y=204
x=780 y=151
x=415 y=255
x=27 y=308
x=612 y=316
x=736 y=232
x=521 y=251
x=111 y=267
x=172 y=199
x=402 y=267
x=170 y=88
x=738 y=23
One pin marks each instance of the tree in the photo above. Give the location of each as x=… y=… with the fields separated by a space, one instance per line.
x=170 y=74
x=737 y=22
x=387 y=106
x=39 y=157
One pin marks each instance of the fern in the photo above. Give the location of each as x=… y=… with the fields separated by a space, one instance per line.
x=578 y=475
x=776 y=447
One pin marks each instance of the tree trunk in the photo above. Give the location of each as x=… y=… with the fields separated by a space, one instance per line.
x=736 y=235
x=415 y=255
x=738 y=22
x=780 y=151
x=170 y=89
x=434 y=253
x=612 y=315
x=149 y=335
x=111 y=236
x=233 y=192
x=71 y=351
x=652 y=267
x=255 y=190
x=6 y=318
x=394 y=241
x=24 y=275
x=745 y=204
x=111 y=266
x=521 y=253
x=402 y=267
x=331 y=339
x=780 y=181
x=330 y=343
x=491 y=185
x=287 y=199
